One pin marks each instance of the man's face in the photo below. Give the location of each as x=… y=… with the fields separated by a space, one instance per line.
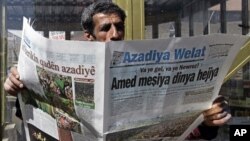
x=107 y=27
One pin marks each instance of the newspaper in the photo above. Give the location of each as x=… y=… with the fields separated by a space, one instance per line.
x=123 y=90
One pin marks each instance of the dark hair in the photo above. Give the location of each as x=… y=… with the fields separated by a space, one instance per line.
x=99 y=7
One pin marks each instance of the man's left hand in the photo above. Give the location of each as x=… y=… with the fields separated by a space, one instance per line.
x=218 y=114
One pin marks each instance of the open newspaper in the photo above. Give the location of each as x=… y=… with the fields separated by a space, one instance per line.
x=123 y=90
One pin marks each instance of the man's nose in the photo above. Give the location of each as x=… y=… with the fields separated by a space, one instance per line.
x=114 y=36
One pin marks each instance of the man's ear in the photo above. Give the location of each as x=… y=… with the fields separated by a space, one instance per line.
x=87 y=36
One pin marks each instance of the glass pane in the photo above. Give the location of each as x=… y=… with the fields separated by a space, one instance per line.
x=237 y=89
x=170 y=18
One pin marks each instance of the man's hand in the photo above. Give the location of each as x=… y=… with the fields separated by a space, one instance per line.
x=13 y=84
x=218 y=114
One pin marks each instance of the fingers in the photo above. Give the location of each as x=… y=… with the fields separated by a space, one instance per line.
x=219 y=99
x=218 y=121
x=14 y=81
x=9 y=88
x=14 y=71
x=218 y=114
x=216 y=108
x=13 y=85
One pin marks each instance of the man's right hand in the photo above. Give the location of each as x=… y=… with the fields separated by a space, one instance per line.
x=13 y=84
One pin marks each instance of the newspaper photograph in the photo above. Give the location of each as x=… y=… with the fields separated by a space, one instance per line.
x=124 y=90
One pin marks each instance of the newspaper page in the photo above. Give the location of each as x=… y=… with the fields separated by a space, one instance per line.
x=157 y=88
x=124 y=90
x=63 y=101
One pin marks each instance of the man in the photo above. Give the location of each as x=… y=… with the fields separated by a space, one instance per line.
x=105 y=22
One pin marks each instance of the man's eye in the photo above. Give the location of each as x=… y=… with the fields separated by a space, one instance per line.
x=106 y=27
x=120 y=27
